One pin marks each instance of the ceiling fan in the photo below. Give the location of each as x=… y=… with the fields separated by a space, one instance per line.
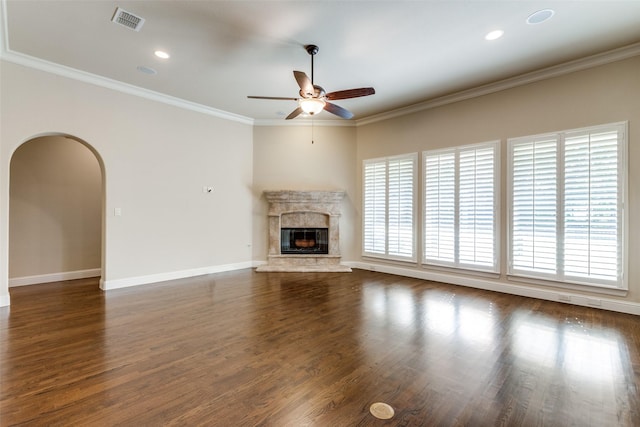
x=314 y=99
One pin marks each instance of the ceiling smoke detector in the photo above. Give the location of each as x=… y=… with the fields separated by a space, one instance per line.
x=127 y=19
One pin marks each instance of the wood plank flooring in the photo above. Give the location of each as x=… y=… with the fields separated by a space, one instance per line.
x=311 y=349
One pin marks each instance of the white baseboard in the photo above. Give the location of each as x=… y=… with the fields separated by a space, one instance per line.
x=54 y=277
x=479 y=283
x=507 y=288
x=107 y=285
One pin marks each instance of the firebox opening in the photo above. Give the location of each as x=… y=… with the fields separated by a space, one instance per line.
x=304 y=241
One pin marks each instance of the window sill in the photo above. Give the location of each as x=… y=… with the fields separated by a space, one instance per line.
x=399 y=261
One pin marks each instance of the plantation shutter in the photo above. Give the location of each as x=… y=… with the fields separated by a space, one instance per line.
x=389 y=200
x=592 y=240
x=534 y=205
x=401 y=195
x=440 y=212
x=460 y=207
x=477 y=207
x=375 y=206
x=567 y=213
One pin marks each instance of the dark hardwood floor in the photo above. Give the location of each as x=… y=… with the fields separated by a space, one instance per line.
x=311 y=349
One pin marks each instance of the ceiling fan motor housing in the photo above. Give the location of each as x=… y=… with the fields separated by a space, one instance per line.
x=318 y=92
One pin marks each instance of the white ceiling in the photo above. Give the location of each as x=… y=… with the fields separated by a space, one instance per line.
x=222 y=51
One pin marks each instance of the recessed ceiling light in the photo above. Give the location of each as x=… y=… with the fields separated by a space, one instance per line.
x=146 y=70
x=161 y=54
x=540 y=16
x=493 y=35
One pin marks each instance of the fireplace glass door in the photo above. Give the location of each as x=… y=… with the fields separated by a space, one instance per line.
x=304 y=241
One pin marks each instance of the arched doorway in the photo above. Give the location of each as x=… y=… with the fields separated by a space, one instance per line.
x=56 y=200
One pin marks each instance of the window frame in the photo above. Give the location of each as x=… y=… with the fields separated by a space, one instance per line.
x=413 y=157
x=457 y=264
x=559 y=279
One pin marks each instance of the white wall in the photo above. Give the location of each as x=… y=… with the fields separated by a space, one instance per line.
x=156 y=158
x=605 y=94
x=285 y=159
x=55 y=211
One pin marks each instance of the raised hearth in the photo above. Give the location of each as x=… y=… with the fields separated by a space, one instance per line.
x=304 y=232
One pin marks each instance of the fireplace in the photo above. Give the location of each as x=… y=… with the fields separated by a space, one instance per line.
x=304 y=232
x=304 y=241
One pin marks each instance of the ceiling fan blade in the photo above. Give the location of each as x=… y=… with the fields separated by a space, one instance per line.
x=273 y=97
x=295 y=113
x=338 y=111
x=351 y=93
x=306 y=88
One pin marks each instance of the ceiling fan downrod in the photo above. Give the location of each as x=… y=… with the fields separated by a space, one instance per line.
x=312 y=49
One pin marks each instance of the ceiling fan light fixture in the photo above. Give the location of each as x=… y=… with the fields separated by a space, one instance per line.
x=312 y=106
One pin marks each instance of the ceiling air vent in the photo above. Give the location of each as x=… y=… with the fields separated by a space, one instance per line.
x=127 y=19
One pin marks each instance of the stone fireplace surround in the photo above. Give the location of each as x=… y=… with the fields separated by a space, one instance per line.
x=304 y=209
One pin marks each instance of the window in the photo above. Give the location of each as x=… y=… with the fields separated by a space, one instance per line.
x=566 y=206
x=389 y=200
x=461 y=207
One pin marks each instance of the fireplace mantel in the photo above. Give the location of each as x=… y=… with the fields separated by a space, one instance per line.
x=290 y=196
x=304 y=209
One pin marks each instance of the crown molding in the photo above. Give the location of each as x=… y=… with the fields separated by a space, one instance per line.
x=604 y=58
x=82 y=76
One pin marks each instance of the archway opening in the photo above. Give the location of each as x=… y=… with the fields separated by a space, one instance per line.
x=56 y=208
